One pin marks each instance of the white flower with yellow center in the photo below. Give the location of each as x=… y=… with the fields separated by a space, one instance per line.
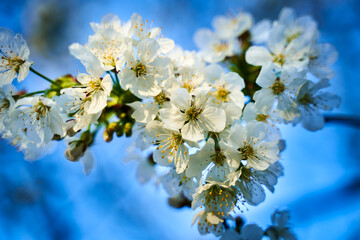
x=39 y=117
x=281 y=51
x=171 y=149
x=7 y=104
x=74 y=103
x=206 y=226
x=251 y=182
x=232 y=26
x=250 y=141
x=218 y=199
x=312 y=101
x=265 y=114
x=111 y=21
x=108 y=46
x=140 y=30
x=212 y=48
x=185 y=59
x=225 y=90
x=144 y=70
x=279 y=89
x=322 y=56
x=190 y=79
x=97 y=89
x=147 y=111
x=193 y=115
x=218 y=162
x=14 y=57
x=176 y=184
x=302 y=31
x=86 y=102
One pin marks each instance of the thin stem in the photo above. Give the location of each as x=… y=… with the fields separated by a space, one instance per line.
x=117 y=80
x=44 y=77
x=32 y=93
x=112 y=77
x=353 y=121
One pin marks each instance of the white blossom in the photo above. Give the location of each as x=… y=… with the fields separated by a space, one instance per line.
x=144 y=70
x=175 y=184
x=85 y=103
x=312 y=101
x=322 y=56
x=279 y=89
x=205 y=226
x=39 y=117
x=193 y=115
x=108 y=46
x=217 y=198
x=214 y=49
x=111 y=21
x=263 y=113
x=7 y=104
x=232 y=26
x=14 y=55
x=140 y=30
x=185 y=59
x=251 y=181
x=279 y=52
x=225 y=90
x=281 y=227
x=218 y=162
x=250 y=140
x=171 y=149
x=302 y=30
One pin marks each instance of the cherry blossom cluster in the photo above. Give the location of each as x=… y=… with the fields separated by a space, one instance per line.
x=209 y=117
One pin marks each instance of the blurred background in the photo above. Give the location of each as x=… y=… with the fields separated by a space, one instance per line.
x=53 y=199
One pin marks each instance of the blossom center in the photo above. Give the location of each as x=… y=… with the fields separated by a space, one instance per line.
x=41 y=110
x=306 y=99
x=14 y=63
x=95 y=85
x=280 y=59
x=4 y=106
x=247 y=151
x=278 y=87
x=261 y=117
x=139 y=69
x=188 y=86
x=220 y=47
x=177 y=139
x=219 y=199
x=222 y=94
x=192 y=114
x=218 y=158
x=160 y=98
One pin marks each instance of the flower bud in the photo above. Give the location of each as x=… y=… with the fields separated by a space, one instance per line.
x=128 y=129
x=87 y=138
x=108 y=136
x=109 y=131
x=70 y=128
x=120 y=130
x=122 y=115
x=75 y=151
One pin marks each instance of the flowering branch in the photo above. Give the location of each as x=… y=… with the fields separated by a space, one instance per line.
x=210 y=117
x=349 y=120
